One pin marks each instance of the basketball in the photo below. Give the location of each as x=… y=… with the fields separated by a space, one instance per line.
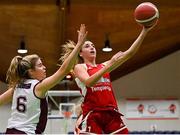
x=146 y=14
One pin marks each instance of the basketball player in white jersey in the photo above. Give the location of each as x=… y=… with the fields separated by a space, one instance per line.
x=28 y=89
x=100 y=113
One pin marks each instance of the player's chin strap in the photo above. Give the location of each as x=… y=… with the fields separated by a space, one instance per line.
x=118 y=130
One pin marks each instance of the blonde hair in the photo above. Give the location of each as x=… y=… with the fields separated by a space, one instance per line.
x=67 y=48
x=18 y=69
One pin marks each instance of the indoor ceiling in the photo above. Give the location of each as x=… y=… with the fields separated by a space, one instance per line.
x=47 y=24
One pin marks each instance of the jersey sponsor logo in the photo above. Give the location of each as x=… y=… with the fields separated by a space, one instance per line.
x=25 y=86
x=101 y=85
x=101 y=88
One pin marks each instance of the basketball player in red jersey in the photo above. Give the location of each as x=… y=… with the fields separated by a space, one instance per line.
x=28 y=89
x=99 y=107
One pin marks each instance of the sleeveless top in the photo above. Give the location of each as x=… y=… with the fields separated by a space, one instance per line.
x=29 y=113
x=100 y=96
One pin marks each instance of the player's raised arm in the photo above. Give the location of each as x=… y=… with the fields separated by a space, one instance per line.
x=65 y=68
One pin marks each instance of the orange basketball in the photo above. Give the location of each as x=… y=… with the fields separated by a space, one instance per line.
x=146 y=14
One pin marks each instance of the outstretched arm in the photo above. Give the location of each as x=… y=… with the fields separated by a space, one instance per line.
x=51 y=81
x=120 y=57
x=6 y=97
x=113 y=63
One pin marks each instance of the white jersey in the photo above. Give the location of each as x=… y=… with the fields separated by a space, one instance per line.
x=29 y=113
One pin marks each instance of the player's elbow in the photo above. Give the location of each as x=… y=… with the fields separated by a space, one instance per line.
x=88 y=84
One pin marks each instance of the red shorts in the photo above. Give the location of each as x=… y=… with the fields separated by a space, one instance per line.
x=103 y=122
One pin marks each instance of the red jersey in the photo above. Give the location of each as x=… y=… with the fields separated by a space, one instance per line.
x=100 y=96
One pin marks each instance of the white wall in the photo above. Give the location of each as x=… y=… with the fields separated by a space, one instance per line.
x=4 y=110
x=160 y=79
x=4 y=116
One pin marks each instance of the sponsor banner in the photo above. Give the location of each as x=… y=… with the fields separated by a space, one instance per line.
x=152 y=109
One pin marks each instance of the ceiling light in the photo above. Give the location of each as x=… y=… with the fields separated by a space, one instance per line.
x=107 y=47
x=68 y=76
x=22 y=49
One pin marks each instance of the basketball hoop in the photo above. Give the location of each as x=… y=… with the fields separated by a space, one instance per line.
x=67 y=110
x=67 y=114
